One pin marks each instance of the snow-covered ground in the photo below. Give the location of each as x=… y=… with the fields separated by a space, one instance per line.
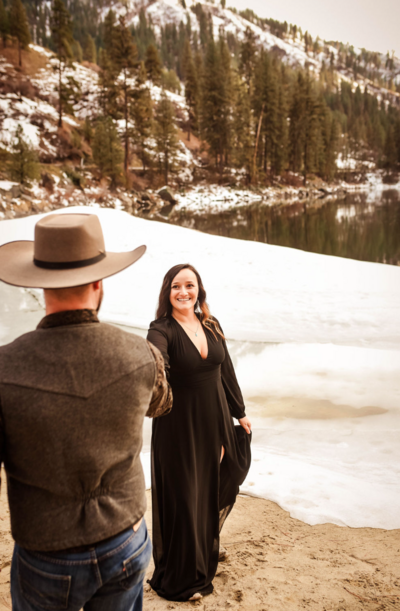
x=316 y=343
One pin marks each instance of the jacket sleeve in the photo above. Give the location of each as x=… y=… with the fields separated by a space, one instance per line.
x=231 y=386
x=161 y=401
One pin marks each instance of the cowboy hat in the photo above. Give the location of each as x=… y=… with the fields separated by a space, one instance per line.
x=68 y=251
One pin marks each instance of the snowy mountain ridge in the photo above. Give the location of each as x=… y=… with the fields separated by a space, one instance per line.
x=290 y=49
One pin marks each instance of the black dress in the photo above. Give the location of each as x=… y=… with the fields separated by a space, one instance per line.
x=192 y=492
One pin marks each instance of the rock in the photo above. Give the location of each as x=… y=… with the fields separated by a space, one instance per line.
x=167 y=195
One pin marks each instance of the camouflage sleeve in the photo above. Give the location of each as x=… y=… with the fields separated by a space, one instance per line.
x=161 y=401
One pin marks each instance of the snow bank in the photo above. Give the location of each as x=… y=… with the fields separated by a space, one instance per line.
x=261 y=292
x=317 y=354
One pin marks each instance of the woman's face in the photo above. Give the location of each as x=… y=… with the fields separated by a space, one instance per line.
x=184 y=291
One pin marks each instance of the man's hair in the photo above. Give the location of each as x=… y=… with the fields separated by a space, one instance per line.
x=67 y=293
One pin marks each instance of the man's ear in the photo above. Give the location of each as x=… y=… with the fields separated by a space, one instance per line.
x=96 y=285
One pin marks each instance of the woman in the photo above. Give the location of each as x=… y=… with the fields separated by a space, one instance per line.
x=199 y=458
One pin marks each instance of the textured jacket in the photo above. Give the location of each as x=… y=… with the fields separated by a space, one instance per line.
x=73 y=396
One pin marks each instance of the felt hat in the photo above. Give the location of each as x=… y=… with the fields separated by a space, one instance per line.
x=68 y=250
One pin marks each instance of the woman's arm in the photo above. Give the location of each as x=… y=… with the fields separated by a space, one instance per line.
x=159 y=338
x=232 y=391
x=161 y=402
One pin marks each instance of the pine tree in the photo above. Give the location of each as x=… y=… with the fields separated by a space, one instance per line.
x=248 y=51
x=165 y=134
x=153 y=64
x=243 y=136
x=89 y=51
x=61 y=29
x=19 y=26
x=107 y=151
x=24 y=164
x=142 y=115
x=4 y=24
x=390 y=152
x=77 y=51
x=304 y=125
x=125 y=58
x=108 y=86
x=215 y=106
x=191 y=91
x=265 y=103
x=279 y=156
x=109 y=32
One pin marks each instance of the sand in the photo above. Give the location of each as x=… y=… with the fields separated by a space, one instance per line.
x=278 y=563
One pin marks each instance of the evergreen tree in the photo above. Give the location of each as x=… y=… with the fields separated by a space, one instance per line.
x=24 y=164
x=170 y=81
x=108 y=86
x=19 y=26
x=191 y=91
x=142 y=115
x=390 y=152
x=265 y=102
x=248 y=51
x=304 y=125
x=89 y=51
x=279 y=156
x=4 y=25
x=109 y=32
x=107 y=151
x=77 y=51
x=153 y=64
x=215 y=106
x=165 y=134
x=243 y=128
x=125 y=58
x=61 y=29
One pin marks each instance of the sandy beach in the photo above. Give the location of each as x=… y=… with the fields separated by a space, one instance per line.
x=277 y=563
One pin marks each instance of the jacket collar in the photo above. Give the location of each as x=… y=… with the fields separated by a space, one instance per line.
x=69 y=317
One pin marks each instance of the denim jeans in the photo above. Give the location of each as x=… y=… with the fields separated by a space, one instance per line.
x=108 y=577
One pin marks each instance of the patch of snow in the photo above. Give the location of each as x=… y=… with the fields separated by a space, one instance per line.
x=7 y=185
x=31 y=132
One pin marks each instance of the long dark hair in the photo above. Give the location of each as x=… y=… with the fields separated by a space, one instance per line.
x=201 y=308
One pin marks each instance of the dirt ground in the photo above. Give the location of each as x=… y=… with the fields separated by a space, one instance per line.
x=277 y=563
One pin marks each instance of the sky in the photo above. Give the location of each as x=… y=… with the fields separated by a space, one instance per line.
x=372 y=24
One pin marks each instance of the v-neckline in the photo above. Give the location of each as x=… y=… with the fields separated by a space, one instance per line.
x=192 y=342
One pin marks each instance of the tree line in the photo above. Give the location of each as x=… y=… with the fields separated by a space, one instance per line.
x=252 y=112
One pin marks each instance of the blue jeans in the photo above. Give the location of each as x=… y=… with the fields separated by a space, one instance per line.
x=108 y=577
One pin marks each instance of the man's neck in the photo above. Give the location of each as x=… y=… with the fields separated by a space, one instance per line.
x=54 y=308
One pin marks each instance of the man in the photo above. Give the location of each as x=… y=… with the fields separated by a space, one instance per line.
x=73 y=396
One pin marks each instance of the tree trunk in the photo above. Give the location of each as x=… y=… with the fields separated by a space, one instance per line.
x=59 y=96
x=19 y=54
x=257 y=138
x=166 y=168
x=126 y=126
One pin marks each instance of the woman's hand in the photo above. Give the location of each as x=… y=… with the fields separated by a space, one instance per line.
x=246 y=424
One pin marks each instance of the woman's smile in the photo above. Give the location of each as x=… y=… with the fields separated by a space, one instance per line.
x=184 y=291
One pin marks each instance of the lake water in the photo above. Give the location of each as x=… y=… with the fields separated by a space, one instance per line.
x=363 y=226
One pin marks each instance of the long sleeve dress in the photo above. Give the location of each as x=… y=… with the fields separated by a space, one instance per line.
x=192 y=491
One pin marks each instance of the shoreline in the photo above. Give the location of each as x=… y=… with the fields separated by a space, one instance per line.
x=277 y=563
x=18 y=201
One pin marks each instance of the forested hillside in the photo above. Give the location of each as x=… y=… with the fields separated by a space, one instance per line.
x=193 y=91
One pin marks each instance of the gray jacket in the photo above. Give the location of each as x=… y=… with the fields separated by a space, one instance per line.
x=73 y=396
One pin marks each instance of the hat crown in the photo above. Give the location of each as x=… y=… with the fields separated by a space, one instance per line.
x=68 y=238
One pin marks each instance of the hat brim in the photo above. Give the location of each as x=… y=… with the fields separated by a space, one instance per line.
x=18 y=269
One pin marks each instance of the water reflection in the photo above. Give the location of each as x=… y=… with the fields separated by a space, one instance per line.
x=357 y=226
